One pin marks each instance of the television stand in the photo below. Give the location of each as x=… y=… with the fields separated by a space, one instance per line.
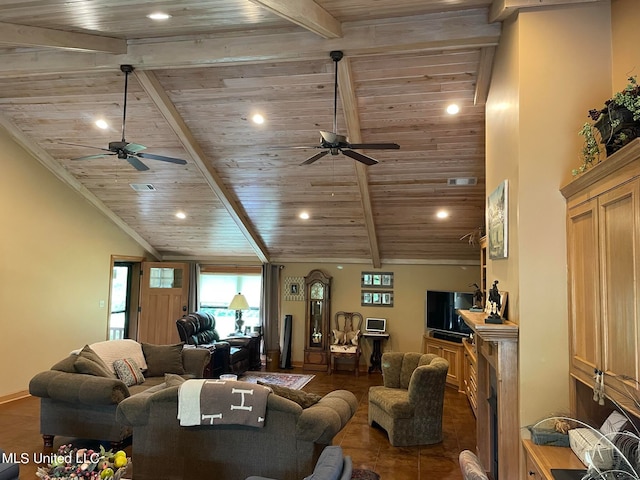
x=452 y=351
x=450 y=337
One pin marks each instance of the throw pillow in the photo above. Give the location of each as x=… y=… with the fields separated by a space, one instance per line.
x=352 y=337
x=128 y=371
x=111 y=350
x=338 y=337
x=173 y=380
x=304 y=399
x=163 y=359
x=88 y=362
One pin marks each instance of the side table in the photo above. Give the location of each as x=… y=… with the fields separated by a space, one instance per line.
x=376 y=353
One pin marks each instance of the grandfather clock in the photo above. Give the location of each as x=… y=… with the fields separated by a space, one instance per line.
x=317 y=320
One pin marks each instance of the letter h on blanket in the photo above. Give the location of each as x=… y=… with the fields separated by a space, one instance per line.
x=219 y=402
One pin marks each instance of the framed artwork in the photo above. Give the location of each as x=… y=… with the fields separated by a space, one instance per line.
x=294 y=289
x=498 y=222
x=376 y=279
x=370 y=298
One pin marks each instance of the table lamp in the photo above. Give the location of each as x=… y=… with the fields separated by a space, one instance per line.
x=239 y=303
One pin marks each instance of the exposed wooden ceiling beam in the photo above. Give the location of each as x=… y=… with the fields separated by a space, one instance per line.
x=503 y=9
x=306 y=13
x=61 y=173
x=352 y=120
x=152 y=87
x=484 y=75
x=453 y=30
x=11 y=34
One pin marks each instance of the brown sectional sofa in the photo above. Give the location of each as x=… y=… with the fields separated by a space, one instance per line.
x=83 y=405
x=286 y=448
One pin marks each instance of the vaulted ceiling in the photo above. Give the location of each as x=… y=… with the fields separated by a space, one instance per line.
x=201 y=75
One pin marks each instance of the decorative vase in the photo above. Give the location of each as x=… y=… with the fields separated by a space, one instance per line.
x=617 y=128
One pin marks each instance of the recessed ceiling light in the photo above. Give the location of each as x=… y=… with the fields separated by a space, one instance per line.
x=102 y=124
x=453 y=109
x=181 y=215
x=159 y=16
x=442 y=214
x=257 y=118
x=304 y=216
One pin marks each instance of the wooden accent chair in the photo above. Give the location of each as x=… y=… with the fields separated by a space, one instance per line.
x=346 y=339
x=409 y=406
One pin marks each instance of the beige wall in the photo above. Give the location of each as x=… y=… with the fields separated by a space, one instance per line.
x=56 y=251
x=626 y=54
x=405 y=320
x=544 y=82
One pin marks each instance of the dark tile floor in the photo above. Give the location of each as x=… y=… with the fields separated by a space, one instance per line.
x=368 y=447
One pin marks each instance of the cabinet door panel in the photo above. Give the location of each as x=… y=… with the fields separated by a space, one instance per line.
x=618 y=213
x=584 y=299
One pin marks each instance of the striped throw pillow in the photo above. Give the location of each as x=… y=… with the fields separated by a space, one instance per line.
x=128 y=371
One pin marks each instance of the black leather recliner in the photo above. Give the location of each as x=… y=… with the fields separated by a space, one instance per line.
x=242 y=353
x=199 y=329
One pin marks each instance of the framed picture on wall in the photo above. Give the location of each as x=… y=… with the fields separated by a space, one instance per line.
x=498 y=222
x=376 y=279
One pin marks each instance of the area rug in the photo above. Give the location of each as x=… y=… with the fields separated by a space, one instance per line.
x=290 y=380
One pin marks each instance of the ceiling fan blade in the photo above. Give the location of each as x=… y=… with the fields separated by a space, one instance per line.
x=91 y=157
x=135 y=147
x=374 y=146
x=137 y=164
x=360 y=157
x=317 y=156
x=151 y=156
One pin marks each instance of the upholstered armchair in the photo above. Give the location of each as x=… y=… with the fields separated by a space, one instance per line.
x=471 y=467
x=410 y=403
x=199 y=329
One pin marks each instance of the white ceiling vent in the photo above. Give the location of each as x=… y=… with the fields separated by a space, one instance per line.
x=462 y=181
x=142 y=187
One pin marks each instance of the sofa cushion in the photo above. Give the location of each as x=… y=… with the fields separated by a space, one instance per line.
x=304 y=399
x=111 y=350
x=163 y=359
x=128 y=371
x=88 y=362
x=173 y=380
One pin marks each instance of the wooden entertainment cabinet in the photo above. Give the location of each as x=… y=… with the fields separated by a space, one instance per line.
x=453 y=352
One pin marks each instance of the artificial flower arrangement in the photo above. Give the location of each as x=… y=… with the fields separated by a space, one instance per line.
x=82 y=463
x=617 y=124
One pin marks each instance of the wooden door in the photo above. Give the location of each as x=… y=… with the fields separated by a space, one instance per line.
x=163 y=299
x=584 y=284
x=619 y=240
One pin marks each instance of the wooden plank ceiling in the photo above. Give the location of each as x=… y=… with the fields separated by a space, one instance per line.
x=201 y=75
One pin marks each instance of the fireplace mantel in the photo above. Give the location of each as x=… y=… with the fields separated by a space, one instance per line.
x=497 y=347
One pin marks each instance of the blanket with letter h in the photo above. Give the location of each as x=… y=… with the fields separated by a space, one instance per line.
x=220 y=402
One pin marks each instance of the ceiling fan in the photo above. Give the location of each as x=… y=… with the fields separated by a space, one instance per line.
x=334 y=143
x=131 y=152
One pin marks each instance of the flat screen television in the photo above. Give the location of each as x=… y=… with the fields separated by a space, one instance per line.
x=440 y=311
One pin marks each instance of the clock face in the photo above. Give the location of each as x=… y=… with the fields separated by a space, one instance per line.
x=317 y=291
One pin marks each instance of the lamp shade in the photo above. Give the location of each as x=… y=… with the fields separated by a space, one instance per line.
x=239 y=303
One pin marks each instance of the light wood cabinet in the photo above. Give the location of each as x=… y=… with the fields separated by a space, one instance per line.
x=603 y=248
x=470 y=375
x=451 y=352
x=540 y=459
